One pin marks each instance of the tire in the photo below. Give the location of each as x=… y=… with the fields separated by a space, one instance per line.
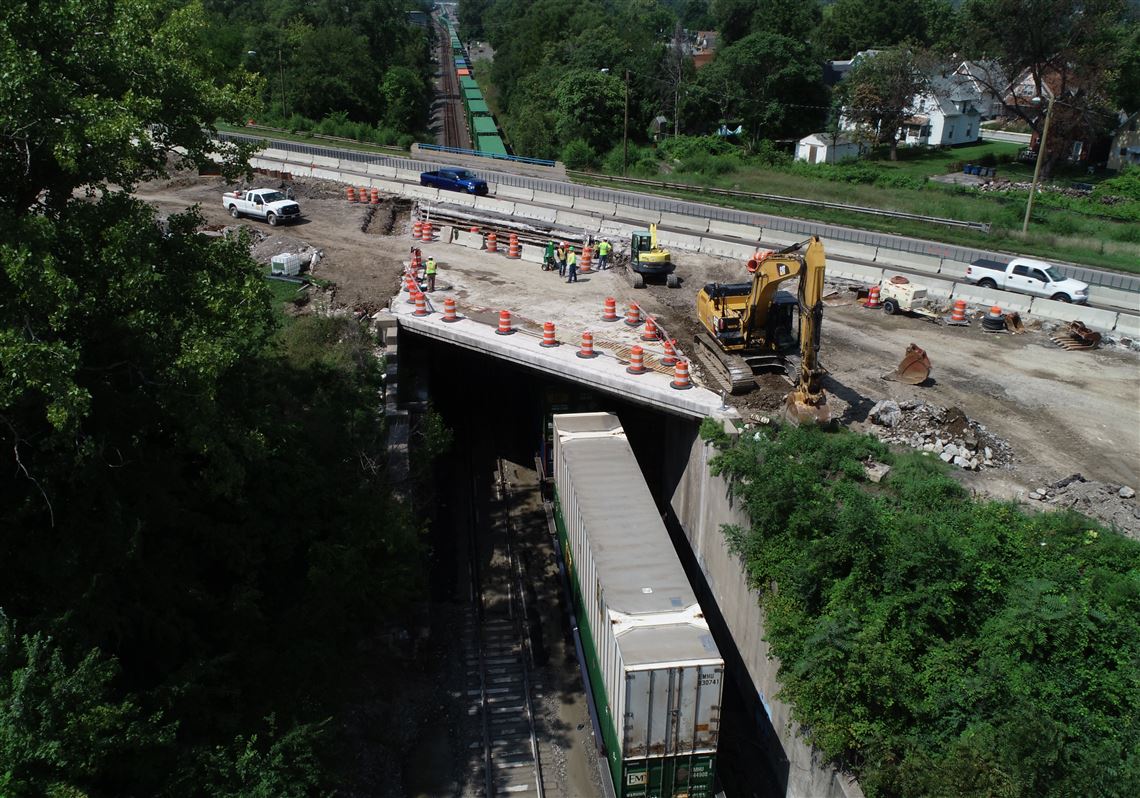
x=986 y=283
x=673 y=281
x=271 y=218
x=890 y=307
x=638 y=280
x=1061 y=298
x=423 y=182
x=234 y=211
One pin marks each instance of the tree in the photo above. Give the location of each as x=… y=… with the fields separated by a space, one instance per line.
x=1067 y=49
x=850 y=26
x=768 y=82
x=880 y=92
x=404 y=95
x=588 y=106
x=736 y=19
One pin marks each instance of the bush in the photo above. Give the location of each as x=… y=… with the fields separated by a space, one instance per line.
x=642 y=161
x=1125 y=184
x=768 y=154
x=578 y=155
x=989 y=159
x=682 y=148
x=709 y=165
x=893 y=180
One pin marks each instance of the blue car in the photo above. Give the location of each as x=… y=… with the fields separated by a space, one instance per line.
x=454 y=180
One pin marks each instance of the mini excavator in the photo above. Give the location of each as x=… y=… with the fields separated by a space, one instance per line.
x=748 y=326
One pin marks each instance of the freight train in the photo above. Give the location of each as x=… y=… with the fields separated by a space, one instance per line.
x=655 y=674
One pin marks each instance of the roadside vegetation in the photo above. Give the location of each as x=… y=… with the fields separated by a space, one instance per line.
x=931 y=643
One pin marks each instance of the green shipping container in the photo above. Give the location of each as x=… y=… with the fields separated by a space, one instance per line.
x=484 y=126
x=477 y=107
x=492 y=144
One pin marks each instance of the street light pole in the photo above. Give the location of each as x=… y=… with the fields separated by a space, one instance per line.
x=1037 y=168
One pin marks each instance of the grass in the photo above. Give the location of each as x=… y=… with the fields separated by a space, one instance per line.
x=308 y=138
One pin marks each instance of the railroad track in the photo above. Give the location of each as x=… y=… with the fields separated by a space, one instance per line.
x=500 y=683
x=454 y=131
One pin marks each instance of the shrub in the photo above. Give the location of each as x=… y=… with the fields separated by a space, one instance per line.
x=768 y=154
x=1125 y=184
x=989 y=159
x=577 y=154
x=894 y=180
x=682 y=148
x=709 y=165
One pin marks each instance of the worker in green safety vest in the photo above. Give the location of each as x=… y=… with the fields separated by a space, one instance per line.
x=548 y=256
x=429 y=272
x=604 y=255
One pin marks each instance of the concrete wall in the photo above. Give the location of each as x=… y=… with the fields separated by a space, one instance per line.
x=702 y=504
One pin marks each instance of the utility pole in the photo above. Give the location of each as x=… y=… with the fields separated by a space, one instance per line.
x=1037 y=168
x=625 y=133
x=284 y=102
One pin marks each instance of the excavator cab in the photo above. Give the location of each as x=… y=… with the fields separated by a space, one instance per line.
x=648 y=259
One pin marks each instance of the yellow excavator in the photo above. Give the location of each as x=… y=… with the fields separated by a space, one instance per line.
x=748 y=326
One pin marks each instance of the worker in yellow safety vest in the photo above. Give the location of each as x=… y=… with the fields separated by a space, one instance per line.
x=571 y=266
x=604 y=254
x=429 y=272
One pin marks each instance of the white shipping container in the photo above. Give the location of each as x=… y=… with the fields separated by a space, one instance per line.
x=661 y=670
x=287 y=264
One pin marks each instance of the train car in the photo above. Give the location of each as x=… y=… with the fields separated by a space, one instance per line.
x=468 y=83
x=656 y=675
x=477 y=106
x=491 y=144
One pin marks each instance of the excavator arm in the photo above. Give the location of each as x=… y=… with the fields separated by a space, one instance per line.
x=808 y=401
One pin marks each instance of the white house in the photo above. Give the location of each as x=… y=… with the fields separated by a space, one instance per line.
x=825 y=148
x=984 y=78
x=945 y=115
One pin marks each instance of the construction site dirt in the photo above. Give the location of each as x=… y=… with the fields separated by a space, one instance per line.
x=1044 y=413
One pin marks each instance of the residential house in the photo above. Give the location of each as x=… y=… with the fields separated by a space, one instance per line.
x=703 y=47
x=826 y=148
x=1125 y=148
x=984 y=78
x=945 y=115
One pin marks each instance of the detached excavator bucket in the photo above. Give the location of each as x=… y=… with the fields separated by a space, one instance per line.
x=914 y=368
x=1013 y=322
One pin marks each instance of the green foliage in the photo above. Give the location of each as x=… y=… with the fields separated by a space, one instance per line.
x=935 y=644
x=579 y=155
x=681 y=148
x=1126 y=184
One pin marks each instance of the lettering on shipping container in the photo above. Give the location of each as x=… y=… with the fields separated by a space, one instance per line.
x=710 y=679
x=636 y=779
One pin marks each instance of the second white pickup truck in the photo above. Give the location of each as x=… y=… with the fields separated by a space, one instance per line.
x=1026 y=276
x=264 y=203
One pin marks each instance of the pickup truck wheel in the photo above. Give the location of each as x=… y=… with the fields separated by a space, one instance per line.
x=234 y=211
x=423 y=182
x=271 y=218
x=890 y=307
x=1061 y=298
x=987 y=283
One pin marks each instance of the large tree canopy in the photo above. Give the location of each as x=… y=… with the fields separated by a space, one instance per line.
x=879 y=93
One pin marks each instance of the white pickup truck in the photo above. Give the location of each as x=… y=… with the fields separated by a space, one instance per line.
x=1027 y=276
x=264 y=203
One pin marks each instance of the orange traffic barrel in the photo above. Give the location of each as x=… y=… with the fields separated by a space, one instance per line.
x=873 y=298
x=958 y=315
x=412 y=289
x=633 y=315
x=375 y=196
x=473 y=229
x=681 y=376
x=757 y=257
x=513 y=247
x=421 y=305
x=670 y=356
x=548 y=339
x=504 y=323
x=417 y=227
x=609 y=310
x=362 y=194
x=449 y=310
x=650 y=332
x=427 y=232
x=636 y=360
x=587 y=259
x=492 y=242
x=587 y=348
x=350 y=194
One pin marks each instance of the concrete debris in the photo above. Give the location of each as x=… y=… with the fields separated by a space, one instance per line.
x=1112 y=505
x=876 y=471
x=945 y=432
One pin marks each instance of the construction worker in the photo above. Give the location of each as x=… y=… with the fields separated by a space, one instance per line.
x=572 y=266
x=548 y=256
x=429 y=272
x=560 y=261
x=603 y=254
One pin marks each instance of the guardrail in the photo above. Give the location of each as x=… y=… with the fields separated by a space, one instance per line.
x=728 y=192
x=492 y=155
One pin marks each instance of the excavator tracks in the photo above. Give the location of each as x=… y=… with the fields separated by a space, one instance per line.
x=733 y=372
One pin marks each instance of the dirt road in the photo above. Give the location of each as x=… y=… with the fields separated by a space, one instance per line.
x=1060 y=412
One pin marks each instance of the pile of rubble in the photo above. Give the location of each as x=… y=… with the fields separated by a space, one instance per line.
x=945 y=432
x=1114 y=505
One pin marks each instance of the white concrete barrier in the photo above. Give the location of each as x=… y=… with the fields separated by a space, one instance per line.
x=328 y=174
x=278 y=155
x=559 y=200
x=684 y=222
x=536 y=212
x=1062 y=311
x=532 y=253
x=495 y=205
x=848 y=249
x=595 y=207
x=727 y=249
x=683 y=241
x=504 y=191
x=470 y=240
x=421 y=192
x=327 y=163
x=935 y=289
x=955 y=269
x=746 y=231
x=777 y=239
x=408 y=175
x=578 y=221
x=457 y=198
x=380 y=170
x=1128 y=301
x=389 y=186
x=988 y=297
x=641 y=214
x=1128 y=326
x=871 y=275
x=926 y=264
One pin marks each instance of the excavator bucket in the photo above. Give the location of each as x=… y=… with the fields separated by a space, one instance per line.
x=914 y=368
x=802 y=408
x=1013 y=322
